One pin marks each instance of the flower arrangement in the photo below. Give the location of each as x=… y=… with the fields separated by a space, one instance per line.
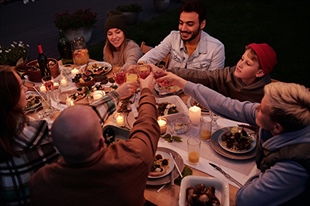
x=80 y=18
x=16 y=52
x=135 y=8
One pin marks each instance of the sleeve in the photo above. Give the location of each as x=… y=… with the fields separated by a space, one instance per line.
x=146 y=127
x=107 y=105
x=158 y=53
x=224 y=106
x=132 y=54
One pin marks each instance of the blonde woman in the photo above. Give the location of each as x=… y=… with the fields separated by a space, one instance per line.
x=118 y=50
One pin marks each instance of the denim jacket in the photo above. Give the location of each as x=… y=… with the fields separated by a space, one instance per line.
x=209 y=54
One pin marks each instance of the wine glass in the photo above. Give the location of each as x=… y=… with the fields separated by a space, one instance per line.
x=56 y=93
x=214 y=118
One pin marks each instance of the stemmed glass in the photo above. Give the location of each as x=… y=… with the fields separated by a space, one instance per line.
x=214 y=118
x=56 y=96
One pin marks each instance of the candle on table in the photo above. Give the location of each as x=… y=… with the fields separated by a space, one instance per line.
x=194 y=114
x=42 y=88
x=63 y=82
x=69 y=102
x=120 y=120
x=74 y=71
x=56 y=85
x=98 y=94
x=162 y=122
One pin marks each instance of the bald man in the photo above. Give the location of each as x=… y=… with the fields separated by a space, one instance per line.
x=90 y=173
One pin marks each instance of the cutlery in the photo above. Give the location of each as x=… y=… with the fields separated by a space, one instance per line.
x=176 y=166
x=162 y=187
x=226 y=175
x=171 y=177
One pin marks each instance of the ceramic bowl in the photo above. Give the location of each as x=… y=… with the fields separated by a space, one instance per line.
x=33 y=71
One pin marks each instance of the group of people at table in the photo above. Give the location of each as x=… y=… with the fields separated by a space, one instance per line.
x=70 y=165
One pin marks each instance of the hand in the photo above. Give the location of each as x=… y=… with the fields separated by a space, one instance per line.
x=127 y=89
x=148 y=82
x=132 y=68
x=172 y=79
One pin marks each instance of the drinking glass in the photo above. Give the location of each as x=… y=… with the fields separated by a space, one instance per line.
x=214 y=118
x=56 y=95
x=48 y=82
x=144 y=71
x=120 y=77
x=193 y=146
x=205 y=127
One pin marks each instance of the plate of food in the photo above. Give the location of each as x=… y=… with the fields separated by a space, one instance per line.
x=167 y=178
x=228 y=154
x=162 y=166
x=33 y=101
x=192 y=102
x=78 y=96
x=237 y=140
x=169 y=90
x=98 y=68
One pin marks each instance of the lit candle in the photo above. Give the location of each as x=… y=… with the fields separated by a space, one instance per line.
x=162 y=122
x=120 y=120
x=63 y=82
x=74 y=71
x=69 y=102
x=42 y=88
x=56 y=85
x=194 y=114
x=98 y=94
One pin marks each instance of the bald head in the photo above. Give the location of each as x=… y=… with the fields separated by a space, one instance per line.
x=77 y=133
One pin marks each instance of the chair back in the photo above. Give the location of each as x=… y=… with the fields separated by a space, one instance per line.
x=145 y=48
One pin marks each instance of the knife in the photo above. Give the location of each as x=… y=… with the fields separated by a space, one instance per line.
x=226 y=175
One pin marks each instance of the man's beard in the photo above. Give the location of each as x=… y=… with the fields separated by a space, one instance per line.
x=193 y=35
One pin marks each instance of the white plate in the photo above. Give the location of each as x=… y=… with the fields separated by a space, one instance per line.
x=224 y=146
x=34 y=106
x=167 y=91
x=221 y=188
x=170 y=165
x=107 y=66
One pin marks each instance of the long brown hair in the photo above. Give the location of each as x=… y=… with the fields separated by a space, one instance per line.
x=109 y=49
x=12 y=118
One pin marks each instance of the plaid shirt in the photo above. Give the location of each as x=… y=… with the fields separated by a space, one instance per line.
x=35 y=148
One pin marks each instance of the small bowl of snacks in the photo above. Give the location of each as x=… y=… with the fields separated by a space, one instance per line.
x=199 y=190
x=33 y=70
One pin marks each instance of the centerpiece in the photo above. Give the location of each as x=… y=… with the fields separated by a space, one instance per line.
x=76 y=24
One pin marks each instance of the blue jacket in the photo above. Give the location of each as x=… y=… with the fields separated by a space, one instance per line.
x=283 y=181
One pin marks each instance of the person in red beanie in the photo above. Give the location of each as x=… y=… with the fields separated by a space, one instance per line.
x=244 y=82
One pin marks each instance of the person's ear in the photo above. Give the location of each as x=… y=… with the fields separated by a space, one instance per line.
x=260 y=73
x=277 y=128
x=203 y=24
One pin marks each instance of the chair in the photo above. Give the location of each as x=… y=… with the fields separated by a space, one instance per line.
x=145 y=48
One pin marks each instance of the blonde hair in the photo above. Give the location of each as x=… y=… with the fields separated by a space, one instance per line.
x=290 y=104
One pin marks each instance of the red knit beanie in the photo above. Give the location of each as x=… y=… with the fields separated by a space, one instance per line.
x=267 y=57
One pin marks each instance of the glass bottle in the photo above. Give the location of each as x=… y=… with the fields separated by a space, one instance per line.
x=43 y=62
x=80 y=51
x=64 y=48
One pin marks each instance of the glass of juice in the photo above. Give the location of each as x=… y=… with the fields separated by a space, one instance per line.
x=193 y=147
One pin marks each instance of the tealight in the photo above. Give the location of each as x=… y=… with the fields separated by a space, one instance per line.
x=162 y=122
x=69 y=102
x=42 y=88
x=98 y=94
x=120 y=120
x=63 y=82
x=56 y=85
x=74 y=71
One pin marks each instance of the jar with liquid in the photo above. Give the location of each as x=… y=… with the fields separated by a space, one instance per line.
x=79 y=51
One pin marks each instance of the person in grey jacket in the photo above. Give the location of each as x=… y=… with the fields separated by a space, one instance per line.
x=190 y=47
x=283 y=151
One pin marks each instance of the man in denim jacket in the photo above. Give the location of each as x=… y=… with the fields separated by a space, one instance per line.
x=190 y=47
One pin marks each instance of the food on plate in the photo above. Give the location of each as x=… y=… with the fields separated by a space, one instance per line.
x=201 y=195
x=203 y=109
x=96 y=68
x=237 y=139
x=79 y=94
x=180 y=127
x=32 y=100
x=166 y=108
x=160 y=166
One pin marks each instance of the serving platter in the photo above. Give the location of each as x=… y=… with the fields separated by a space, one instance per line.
x=218 y=149
x=170 y=167
x=106 y=67
x=166 y=179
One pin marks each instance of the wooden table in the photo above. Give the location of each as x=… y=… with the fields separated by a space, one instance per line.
x=170 y=194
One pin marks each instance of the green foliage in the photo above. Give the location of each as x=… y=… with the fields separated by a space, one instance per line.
x=12 y=54
x=79 y=18
x=135 y=8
